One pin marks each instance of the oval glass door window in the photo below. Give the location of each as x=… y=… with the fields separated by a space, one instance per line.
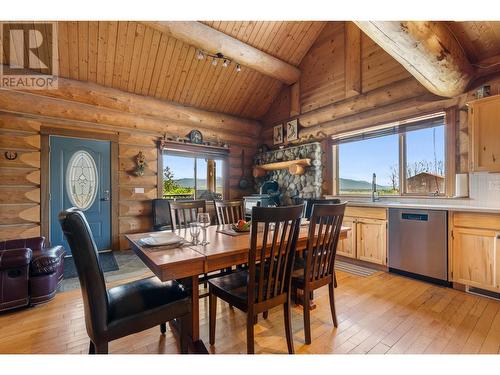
x=82 y=180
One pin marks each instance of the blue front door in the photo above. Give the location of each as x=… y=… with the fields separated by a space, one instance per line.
x=80 y=176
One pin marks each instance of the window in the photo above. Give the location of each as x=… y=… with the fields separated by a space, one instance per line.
x=187 y=176
x=425 y=161
x=414 y=149
x=82 y=180
x=358 y=160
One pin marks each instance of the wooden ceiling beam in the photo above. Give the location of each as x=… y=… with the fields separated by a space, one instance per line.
x=428 y=50
x=213 y=41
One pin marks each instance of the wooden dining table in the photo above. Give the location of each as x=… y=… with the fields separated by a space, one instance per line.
x=190 y=261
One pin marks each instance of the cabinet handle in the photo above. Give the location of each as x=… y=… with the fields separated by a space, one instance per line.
x=498 y=236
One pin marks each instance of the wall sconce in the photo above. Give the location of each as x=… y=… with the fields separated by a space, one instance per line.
x=140 y=161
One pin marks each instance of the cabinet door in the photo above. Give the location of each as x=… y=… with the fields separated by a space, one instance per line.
x=347 y=247
x=474 y=257
x=485 y=132
x=497 y=257
x=371 y=241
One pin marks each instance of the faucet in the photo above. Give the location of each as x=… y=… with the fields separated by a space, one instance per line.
x=375 y=196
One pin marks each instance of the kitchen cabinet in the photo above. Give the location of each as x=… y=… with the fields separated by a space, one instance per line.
x=484 y=119
x=475 y=250
x=367 y=239
x=347 y=247
x=371 y=240
x=474 y=257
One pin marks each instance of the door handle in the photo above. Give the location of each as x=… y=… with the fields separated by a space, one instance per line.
x=106 y=196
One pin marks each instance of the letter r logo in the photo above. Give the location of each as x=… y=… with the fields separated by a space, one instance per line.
x=28 y=46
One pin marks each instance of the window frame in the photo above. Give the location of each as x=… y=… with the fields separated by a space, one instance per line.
x=194 y=151
x=450 y=119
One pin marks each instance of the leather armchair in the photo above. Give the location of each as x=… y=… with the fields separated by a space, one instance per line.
x=29 y=272
x=14 y=272
x=124 y=309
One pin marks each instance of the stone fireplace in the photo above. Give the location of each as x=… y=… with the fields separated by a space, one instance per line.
x=307 y=185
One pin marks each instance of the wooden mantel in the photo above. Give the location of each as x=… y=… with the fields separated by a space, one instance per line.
x=295 y=167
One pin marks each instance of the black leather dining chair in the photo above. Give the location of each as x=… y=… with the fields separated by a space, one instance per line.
x=125 y=309
x=160 y=209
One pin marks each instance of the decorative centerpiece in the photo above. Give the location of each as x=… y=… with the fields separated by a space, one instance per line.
x=242 y=226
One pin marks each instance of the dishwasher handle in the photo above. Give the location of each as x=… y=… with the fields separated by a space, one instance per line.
x=412 y=216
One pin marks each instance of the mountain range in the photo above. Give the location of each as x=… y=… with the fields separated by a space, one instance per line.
x=345 y=184
x=202 y=183
x=348 y=184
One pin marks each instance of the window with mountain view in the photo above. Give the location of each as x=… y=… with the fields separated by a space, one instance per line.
x=186 y=177
x=415 y=149
x=358 y=160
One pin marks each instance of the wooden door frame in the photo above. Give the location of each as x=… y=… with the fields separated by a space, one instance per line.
x=45 y=133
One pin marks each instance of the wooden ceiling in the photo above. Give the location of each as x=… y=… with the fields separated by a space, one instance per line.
x=480 y=40
x=136 y=58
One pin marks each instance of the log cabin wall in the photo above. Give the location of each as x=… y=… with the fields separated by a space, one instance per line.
x=335 y=99
x=138 y=122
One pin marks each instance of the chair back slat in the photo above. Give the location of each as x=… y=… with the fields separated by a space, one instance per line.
x=324 y=233
x=183 y=213
x=274 y=236
x=229 y=212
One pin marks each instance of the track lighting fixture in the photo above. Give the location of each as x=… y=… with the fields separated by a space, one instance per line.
x=200 y=55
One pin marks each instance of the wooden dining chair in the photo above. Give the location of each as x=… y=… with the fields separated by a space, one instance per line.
x=229 y=212
x=183 y=213
x=319 y=258
x=266 y=282
x=309 y=203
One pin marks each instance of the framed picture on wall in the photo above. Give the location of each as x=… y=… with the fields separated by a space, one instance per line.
x=292 y=133
x=278 y=134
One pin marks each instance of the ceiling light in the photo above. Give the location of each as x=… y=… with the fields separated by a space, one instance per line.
x=214 y=62
x=225 y=64
x=238 y=68
x=200 y=55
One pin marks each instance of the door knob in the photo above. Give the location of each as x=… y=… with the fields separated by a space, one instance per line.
x=106 y=196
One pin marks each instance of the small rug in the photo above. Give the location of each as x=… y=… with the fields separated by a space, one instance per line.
x=106 y=259
x=354 y=269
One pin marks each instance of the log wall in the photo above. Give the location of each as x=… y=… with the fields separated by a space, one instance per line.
x=138 y=122
x=329 y=105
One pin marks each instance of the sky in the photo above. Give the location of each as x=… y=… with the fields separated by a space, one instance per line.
x=183 y=167
x=359 y=160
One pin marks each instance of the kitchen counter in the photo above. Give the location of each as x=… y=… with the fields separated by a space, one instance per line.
x=425 y=206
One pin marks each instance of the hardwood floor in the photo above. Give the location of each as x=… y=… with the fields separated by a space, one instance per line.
x=382 y=313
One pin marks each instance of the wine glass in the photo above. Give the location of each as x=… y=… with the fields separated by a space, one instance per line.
x=194 y=229
x=204 y=220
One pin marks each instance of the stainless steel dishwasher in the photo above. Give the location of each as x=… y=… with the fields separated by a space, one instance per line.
x=418 y=244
